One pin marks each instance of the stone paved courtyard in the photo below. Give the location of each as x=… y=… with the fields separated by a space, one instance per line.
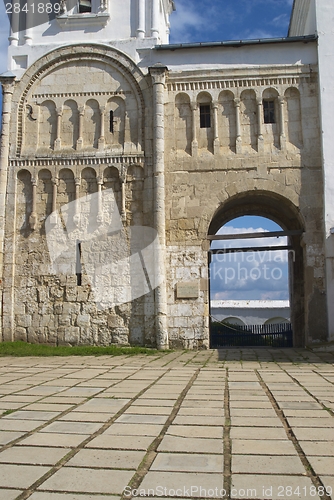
x=256 y=423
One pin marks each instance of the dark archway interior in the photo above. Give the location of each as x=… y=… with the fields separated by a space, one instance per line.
x=287 y=215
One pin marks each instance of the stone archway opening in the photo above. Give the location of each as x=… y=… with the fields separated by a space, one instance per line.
x=289 y=229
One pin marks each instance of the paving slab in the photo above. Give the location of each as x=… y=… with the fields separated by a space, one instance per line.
x=262 y=447
x=32 y=455
x=255 y=432
x=107 y=459
x=256 y=421
x=311 y=422
x=54 y=440
x=259 y=464
x=123 y=429
x=20 y=476
x=183 y=484
x=320 y=448
x=322 y=465
x=314 y=434
x=72 y=479
x=121 y=442
x=7 y=437
x=128 y=418
x=196 y=431
x=199 y=420
x=72 y=427
x=191 y=445
x=19 y=425
x=179 y=462
x=9 y=494
x=273 y=487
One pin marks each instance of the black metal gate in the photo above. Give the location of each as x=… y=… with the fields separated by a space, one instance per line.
x=225 y=335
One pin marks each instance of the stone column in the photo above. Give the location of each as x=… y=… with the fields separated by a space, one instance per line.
x=216 y=142
x=57 y=143
x=122 y=178
x=79 y=143
x=7 y=92
x=99 y=200
x=155 y=18
x=282 y=137
x=141 y=31
x=194 y=142
x=260 y=142
x=101 y=141
x=158 y=75
x=7 y=295
x=76 y=217
x=33 y=215
x=53 y=216
x=238 y=144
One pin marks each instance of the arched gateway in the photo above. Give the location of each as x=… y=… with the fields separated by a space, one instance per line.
x=289 y=217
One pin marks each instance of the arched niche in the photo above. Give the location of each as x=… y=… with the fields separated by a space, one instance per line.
x=92 y=124
x=115 y=123
x=112 y=181
x=248 y=119
x=66 y=187
x=271 y=130
x=70 y=124
x=205 y=131
x=23 y=202
x=227 y=120
x=294 y=117
x=47 y=125
x=183 y=122
x=44 y=196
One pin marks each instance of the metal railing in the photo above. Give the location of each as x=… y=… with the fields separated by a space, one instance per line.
x=225 y=335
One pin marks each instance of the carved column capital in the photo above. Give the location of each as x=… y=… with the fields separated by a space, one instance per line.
x=281 y=99
x=158 y=74
x=237 y=102
x=77 y=181
x=81 y=110
x=59 y=110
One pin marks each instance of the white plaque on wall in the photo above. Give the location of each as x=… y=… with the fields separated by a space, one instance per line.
x=187 y=290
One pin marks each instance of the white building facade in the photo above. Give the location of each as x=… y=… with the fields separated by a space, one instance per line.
x=182 y=138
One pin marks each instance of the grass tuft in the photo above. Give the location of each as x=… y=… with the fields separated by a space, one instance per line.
x=24 y=349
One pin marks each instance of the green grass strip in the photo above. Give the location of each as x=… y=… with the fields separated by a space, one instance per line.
x=24 y=349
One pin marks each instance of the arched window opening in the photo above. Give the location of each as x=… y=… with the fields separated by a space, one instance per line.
x=205 y=115
x=111 y=122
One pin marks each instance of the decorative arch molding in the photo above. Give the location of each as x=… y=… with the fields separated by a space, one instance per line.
x=262 y=203
x=90 y=52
